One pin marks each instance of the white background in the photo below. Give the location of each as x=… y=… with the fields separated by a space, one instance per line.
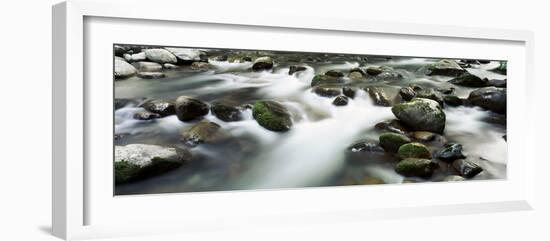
x=26 y=133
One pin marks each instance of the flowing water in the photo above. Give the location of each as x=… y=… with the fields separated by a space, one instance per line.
x=313 y=152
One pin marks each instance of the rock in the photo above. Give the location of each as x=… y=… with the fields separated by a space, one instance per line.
x=407 y=93
x=200 y=66
x=188 y=108
x=139 y=161
x=187 y=55
x=170 y=66
x=430 y=93
x=151 y=75
x=334 y=73
x=295 y=68
x=450 y=153
x=452 y=100
x=469 y=80
x=501 y=83
x=374 y=70
x=349 y=91
x=272 y=116
x=225 y=111
x=453 y=178
x=355 y=76
x=327 y=91
x=466 y=168
x=424 y=135
x=119 y=50
x=502 y=68
x=394 y=126
x=413 y=150
x=159 y=106
x=147 y=66
x=145 y=115
x=416 y=167
x=445 y=67
x=490 y=98
x=365 y=146
x=160 y=56
x=135 y=57
x=325 y=79
x=340 y=100
x=263 y=63
x=392 y=141
x=123 y=69
x=378 y=96
x=202 y=132
x=421 y=115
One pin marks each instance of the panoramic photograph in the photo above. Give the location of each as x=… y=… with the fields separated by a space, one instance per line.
x=191 y=119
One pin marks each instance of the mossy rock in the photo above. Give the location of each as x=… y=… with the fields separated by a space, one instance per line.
x=413 y=150
x=392 y=141
x=469 y=80
x=421 y=115
x=272 y=116
x=321 y=79
x=416 y=167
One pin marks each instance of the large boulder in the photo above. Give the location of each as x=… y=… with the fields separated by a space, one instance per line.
x=123 y=69
x=160 y=56
x=263 y=63
x=187 y=55
x=445 y=67
x=416 y=167
x=413 y=150
x=421 y=115
x=139 y=161
x=188 y=108
x=490 y=98
x=469 y=80
x=225 y=111
x=392 y=141
x=272 y=115
x=160 y=106
x=202 y=132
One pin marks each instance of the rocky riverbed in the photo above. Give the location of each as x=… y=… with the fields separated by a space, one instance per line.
x=190 y=120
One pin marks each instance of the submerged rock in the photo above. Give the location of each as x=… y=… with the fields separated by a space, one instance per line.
x=466 y=168
x=421 y=115
x=151 y=75
x=445 y=67
x=340 y=100
x=325 y=80
x=392 y=141
x=490 y=98
x=272 y=116
x=469 y=80
x=451 y=152
x=378 y=96
x=188 y=108
x=416 y=167
x=123 y=69
x=160 y=56
x=225 y=111
x=327 y=91
x=413 y=150
x=407 y=93
x=263 y=63
x=159 y=106
x=139 y=161
x=202 y=132
x=295 y=68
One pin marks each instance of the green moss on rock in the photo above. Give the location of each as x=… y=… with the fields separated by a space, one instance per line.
x=416 y=167
x=413 y=150
x=392 y=141
x=272 y=116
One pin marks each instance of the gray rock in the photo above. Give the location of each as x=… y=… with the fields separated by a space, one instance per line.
x=187 y=55
x=490 y=98
x=469 y=80
x=200 y=66
x=170 y=66
x=327 y=91
x=430 y=93
x=407 y=93
x=135 y=57
x=202 y=132
x=340 y=100
x=139 y=161
x=188 y=108
x=225 y=111
x=123 y=69
x=160 y=56
x=451 y=152
x=151 y=75
x=349 y=91
x=147 y=66
x=421 y=115
x=159 y=106
x=145 y=115
x=453 y=100
x=466 y=168
x=374 y=70
x=378 y=96
x=445 y=67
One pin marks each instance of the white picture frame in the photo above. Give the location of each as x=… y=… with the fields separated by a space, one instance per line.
x=73 y=192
